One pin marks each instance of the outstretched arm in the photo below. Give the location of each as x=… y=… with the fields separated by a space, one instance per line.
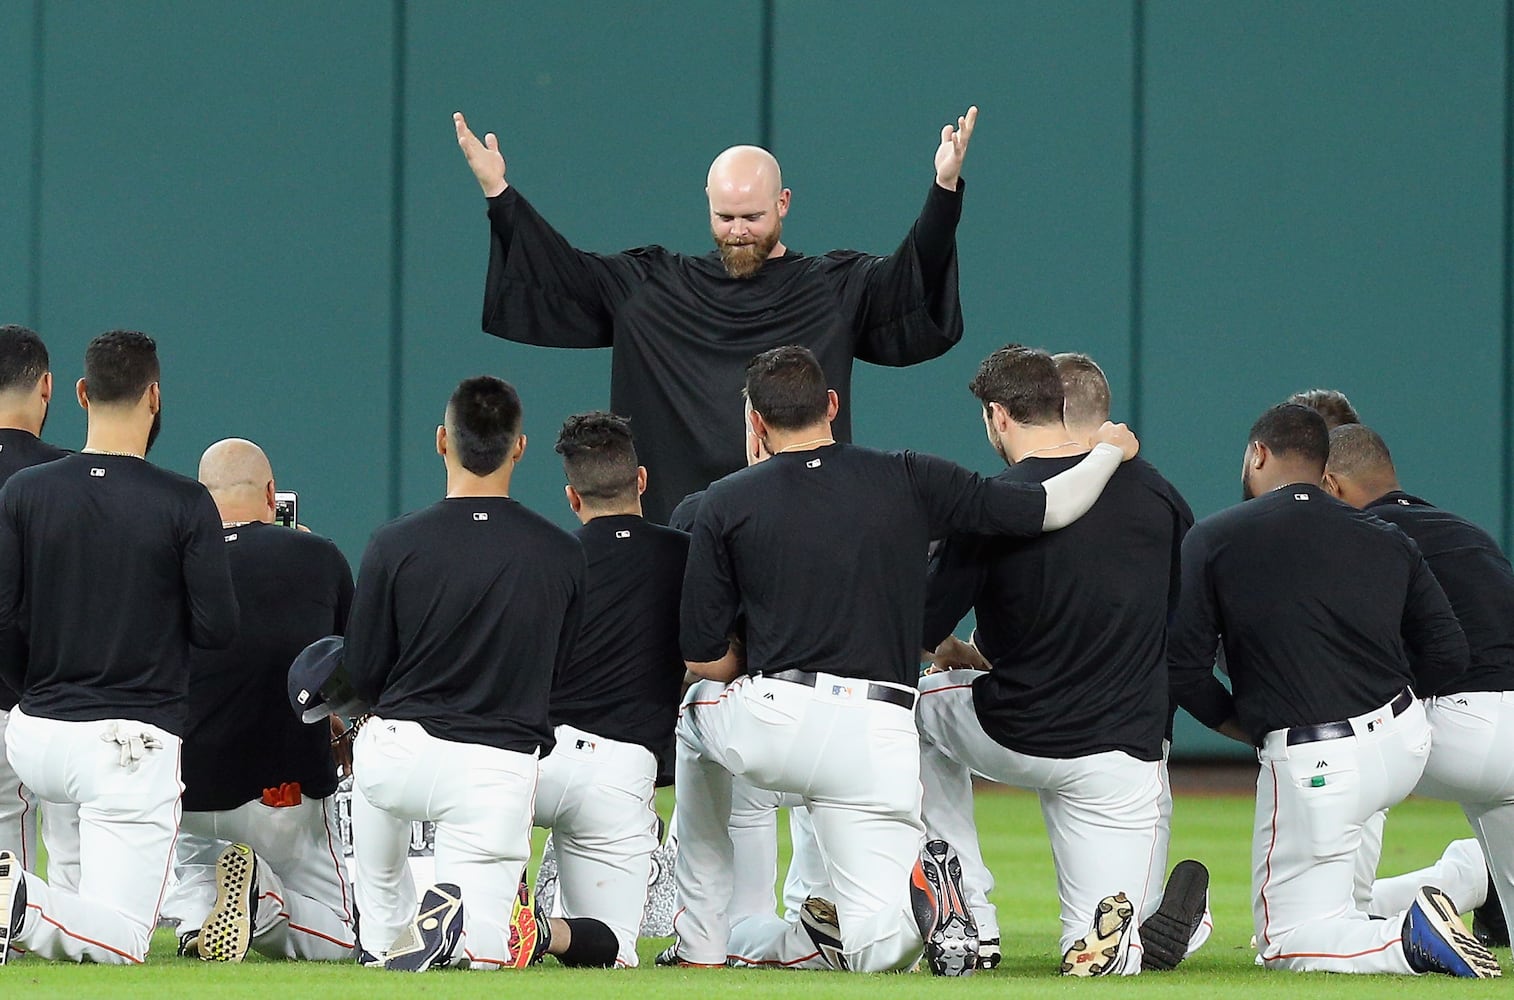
x=905 y=305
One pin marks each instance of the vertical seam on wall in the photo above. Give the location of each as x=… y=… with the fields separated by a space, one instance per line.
x=765 y=78
x=397 y=261
x=1508 y=276
x=1137 y=204
x=34 y=179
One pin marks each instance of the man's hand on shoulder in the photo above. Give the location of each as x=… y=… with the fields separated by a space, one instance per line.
x=953 y=148
x=1118 y=435
x=485 y=159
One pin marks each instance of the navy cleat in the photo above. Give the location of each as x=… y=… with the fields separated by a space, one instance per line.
x=1166 y=933
x=431 y=938
x=1435 y=940
x=1488 y=919
x=946 y=924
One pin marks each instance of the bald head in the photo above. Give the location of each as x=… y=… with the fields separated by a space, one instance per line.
x=1359 y=469
x=1085 y=392
x=745 y=170
x=240 y=480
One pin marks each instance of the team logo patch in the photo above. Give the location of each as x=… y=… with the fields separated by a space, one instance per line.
x=841 y=691
x=813 y=463
x=587 y=746
x=480 y=516
x=1372 y=726
x=231 y=537
x=1301 y=496
x=622 y=534
x=97 y=473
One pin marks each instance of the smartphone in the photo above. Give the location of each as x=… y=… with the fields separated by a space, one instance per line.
x=285 y=508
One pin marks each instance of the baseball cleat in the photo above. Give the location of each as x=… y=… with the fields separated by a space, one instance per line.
x=431 y=938
x=227 y=932
x=946 y=924
x=657 y=915
x=989 y=954
x=818 y=918
x=1098 y=954
x=12 y=902
x=189 y=944
x=1166 y=933
x=530 y=933
x=1435 y=939
x=669 y=958
x=1488 y=919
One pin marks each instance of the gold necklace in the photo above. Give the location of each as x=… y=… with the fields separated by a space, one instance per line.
x=1050 y=447
x=800 y=444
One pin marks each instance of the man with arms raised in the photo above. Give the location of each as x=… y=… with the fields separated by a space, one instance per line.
x=821 y=548
x=110 y=569
x=683 y=327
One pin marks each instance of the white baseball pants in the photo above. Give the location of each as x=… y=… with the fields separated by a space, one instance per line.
x=1102 y=812
x=1460 y=873
x=754 y=834
x=304 y=896
x=481 y=799
x=1312 y=800
x=1471 y=763
x=1164 y=842
x=595 y=795
x=128 y=816
x=855 y=762
x=18 y=811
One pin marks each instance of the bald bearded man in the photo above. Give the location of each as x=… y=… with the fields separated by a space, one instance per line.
x=258 y=861
x=683 y=327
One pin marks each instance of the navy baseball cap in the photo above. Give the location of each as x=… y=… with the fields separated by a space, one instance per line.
x=318 y=686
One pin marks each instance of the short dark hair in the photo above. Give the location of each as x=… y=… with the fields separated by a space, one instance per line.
x=1359 y=452
x=1293 y=429
x=598 y=455
x=119 y=365
x=1024 y=381
x=483 y=421
x=23 y=358
x=787 y=386
x=1331 y=404
x=1086 y=388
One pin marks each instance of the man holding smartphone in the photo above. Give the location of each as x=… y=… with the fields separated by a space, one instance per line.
x=254 y=862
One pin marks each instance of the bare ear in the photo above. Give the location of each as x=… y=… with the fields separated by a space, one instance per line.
x=441 y=440
x=784 y=198
x=1259 y=454
x=575 y=501
x=520 y=448
x=641 y=480
x=270 y=495
x=154 y=398
x=1332 y=485
x=832 y=404
x=81 y=393
x=46 y=385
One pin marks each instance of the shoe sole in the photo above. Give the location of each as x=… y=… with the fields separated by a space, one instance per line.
x=1166 y=933
x=951 y=948
x=227 y=932
x=423 y=943
x=523 y=936
x=1095 y=954
x=10 y=873
x=819 y=919
x=1448 y=926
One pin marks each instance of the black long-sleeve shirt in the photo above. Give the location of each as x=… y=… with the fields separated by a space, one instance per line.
x=20 y=450
x=1073 y=622
x=683 y=329
x=463 y=613
x=1477 y=579
x=1326 y=612
x=824 y=552
x=293 y=588
x=623 y=679
x=111 y=568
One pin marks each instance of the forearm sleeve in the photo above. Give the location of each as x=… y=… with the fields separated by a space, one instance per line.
x=1070 y=494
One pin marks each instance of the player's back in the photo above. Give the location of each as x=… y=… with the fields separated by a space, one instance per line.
x=463 y=612
x=623 y=677
x=293 y=587
x=1074 y=621
x=121 y=568
x=21 y=450
x=828 y=550
x=1477 y=579
x=1312 y=597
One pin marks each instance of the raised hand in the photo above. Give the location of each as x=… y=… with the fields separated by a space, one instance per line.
x=484 y=158
x=954 y=140
x=1118 y=435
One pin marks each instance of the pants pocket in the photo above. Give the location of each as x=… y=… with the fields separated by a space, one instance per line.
x=1325 y=782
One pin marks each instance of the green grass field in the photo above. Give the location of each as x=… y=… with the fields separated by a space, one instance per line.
x=1216 y=830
